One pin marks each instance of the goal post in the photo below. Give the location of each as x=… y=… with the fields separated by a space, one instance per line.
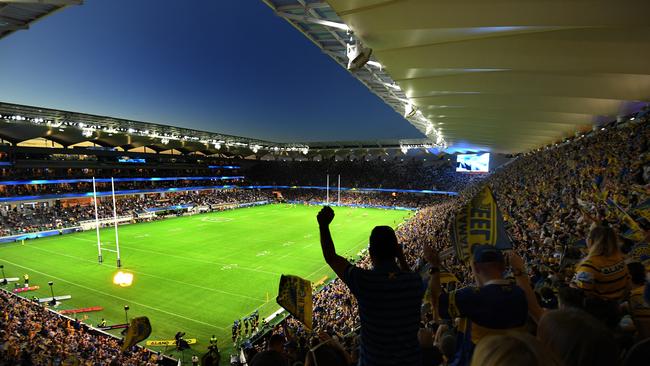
x=338 y=201
x=99 y=243
x=327 y=189
x=117 y=239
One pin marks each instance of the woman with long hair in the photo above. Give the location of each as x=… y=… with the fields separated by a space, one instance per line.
x=603 y=273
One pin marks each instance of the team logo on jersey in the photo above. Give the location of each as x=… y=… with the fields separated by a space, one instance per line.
x=584 y=277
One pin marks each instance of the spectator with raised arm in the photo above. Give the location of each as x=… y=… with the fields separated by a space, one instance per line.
x=389 y=296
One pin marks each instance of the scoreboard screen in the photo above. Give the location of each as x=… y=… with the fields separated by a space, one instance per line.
x=474 y=163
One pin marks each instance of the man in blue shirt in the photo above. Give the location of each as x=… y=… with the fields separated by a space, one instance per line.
x=493 y=306
x=389 y=297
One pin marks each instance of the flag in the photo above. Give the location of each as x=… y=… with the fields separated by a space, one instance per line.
x=294 y=295
x=479 y=223
x=641 y=253
x=634 y=231
x=643 y=210
x=139 y=330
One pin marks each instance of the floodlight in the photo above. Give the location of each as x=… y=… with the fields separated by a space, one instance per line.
x=358 y=55
x=410 y=110
x=393 y=86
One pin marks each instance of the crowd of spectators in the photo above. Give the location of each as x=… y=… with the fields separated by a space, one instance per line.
x=390 y=199
x=32 y=335
x=86 y=187
x=40 y=217
x=577 y=216
x=438 y=173
x=34 y=217
x=577 y=255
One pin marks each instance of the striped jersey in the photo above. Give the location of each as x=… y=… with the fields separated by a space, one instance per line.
x=603 y=277
x=389 y=308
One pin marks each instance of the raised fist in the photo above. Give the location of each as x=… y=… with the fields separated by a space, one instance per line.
x=325 y=216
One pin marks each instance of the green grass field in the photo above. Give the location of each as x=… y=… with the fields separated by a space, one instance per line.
x=195 y=273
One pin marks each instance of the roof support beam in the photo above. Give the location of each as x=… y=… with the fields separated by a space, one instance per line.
x=303 y=7
x=12 y=27
x=308 y=19
x=11 y=23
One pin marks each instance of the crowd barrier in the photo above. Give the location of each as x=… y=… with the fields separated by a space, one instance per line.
x=90 y=224
x=39 y=234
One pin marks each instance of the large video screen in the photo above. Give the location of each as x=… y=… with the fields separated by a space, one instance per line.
x=473 y=163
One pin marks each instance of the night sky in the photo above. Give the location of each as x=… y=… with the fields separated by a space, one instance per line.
x=223 y=66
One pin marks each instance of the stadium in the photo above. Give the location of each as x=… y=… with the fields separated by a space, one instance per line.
x=324 y=182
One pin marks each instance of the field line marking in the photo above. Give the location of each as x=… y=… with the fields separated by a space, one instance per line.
x=116 y=297
x=158 y=277
x=185 y=258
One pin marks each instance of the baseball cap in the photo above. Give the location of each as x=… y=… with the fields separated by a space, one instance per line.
x=486 y=254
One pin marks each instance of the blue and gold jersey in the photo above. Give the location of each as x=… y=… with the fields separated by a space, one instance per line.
x=603 y=277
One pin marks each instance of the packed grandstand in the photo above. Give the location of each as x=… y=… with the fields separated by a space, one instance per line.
x=549 y=198
x=562 y=281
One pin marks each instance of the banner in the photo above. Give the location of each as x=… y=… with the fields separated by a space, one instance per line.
x=169 y=342
x=641 y=253
x=479 y=223
x=643 y=210
x=294 y=295
x=634 y=231
x=138 y=330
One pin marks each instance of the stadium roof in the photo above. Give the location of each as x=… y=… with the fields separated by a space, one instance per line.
x=320 y=24
x=20 y=123
x=19 y=14
x=506 y=76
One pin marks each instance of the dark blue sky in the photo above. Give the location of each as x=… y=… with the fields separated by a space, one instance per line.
x=223 y=66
